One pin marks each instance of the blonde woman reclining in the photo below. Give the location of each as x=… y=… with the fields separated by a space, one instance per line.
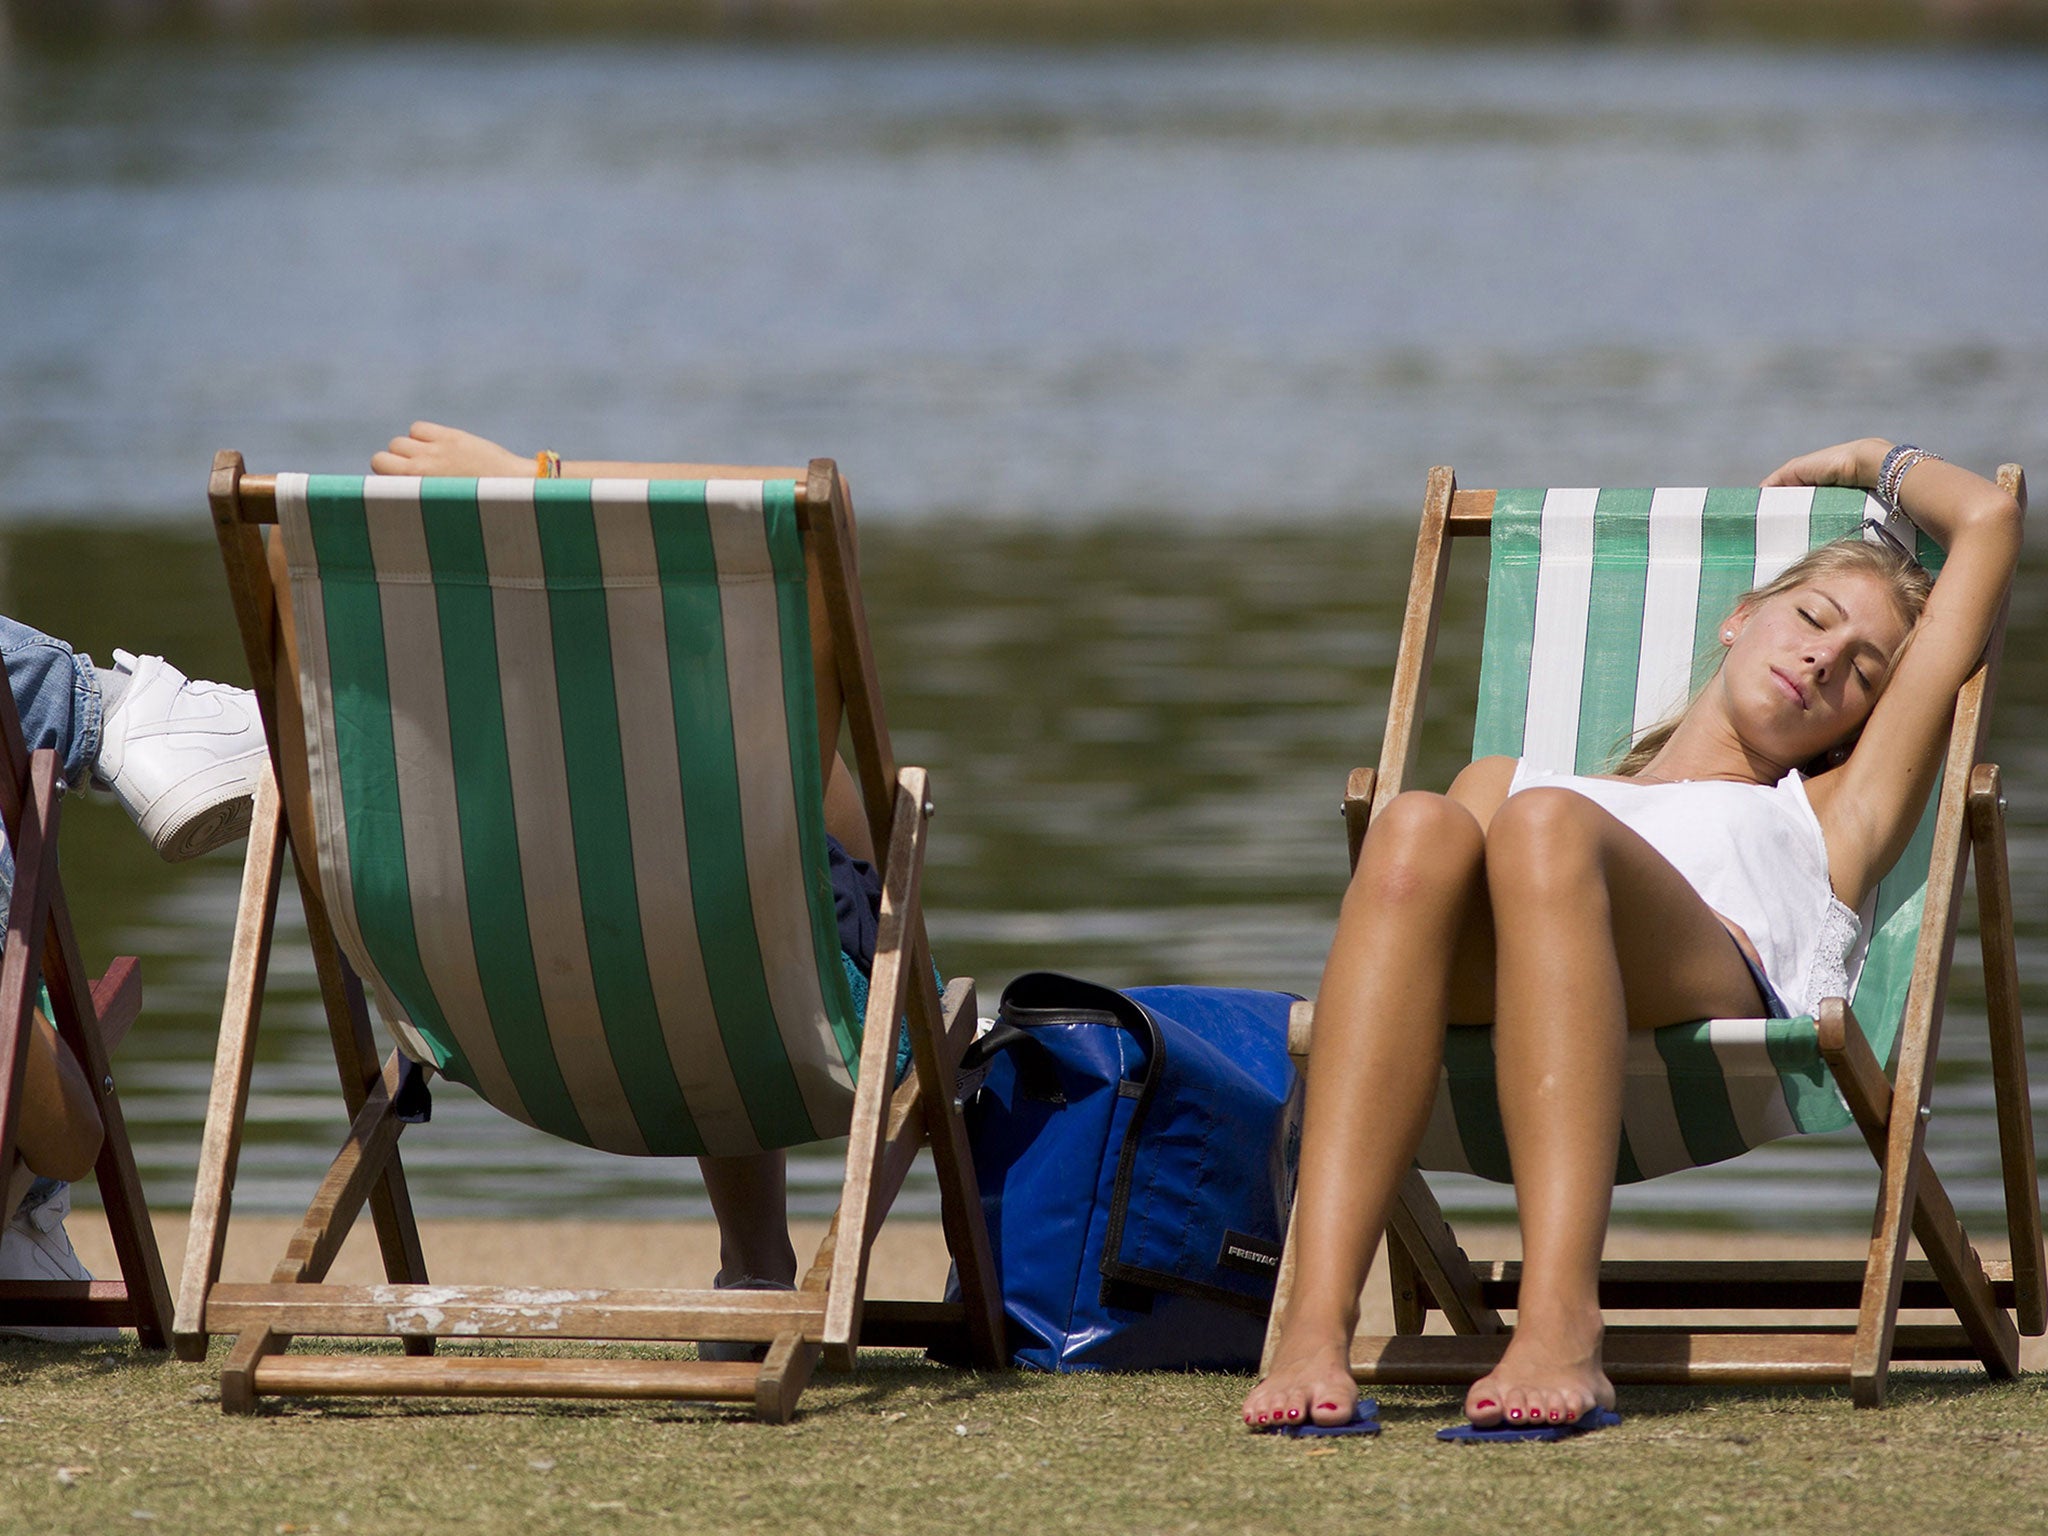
x=1567 y=911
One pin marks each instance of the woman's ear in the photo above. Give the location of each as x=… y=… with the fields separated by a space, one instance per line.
x=1732 y=625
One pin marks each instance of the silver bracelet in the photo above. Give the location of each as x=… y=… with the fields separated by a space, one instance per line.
x=1891 y=473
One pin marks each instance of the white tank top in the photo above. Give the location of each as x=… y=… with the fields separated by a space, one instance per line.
x=1756 y=855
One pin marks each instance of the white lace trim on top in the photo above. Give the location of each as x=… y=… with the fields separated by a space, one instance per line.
x=1839 y=930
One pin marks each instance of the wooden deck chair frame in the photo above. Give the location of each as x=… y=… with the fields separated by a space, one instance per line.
x=91 y=1020
x=828 y=1316
x=1994 y=1302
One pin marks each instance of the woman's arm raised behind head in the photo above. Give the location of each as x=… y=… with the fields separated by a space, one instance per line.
x=1870 y=806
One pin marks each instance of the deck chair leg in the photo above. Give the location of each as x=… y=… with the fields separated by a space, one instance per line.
x=357 y=1170
x=234 y=1059
x=915 y=1324
x=39 y=919
x=892 y=985
x=1930 y=1217
x=1411 y=1296
x=960 y=1211
x=238 y=1374
x=2008 y=1052
x=1418 y=1225
x=784 y=1375
x=355 y=1058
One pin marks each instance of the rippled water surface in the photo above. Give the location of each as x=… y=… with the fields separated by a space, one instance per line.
x=1137 y=359
x=1230 y=282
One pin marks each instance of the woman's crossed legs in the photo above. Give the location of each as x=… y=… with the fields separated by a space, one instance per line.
x=1565 y=929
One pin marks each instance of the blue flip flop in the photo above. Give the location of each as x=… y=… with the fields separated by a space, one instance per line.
x=1364 y=1420
x=1592 y=1419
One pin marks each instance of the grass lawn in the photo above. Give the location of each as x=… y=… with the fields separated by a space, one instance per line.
x=108 y=1439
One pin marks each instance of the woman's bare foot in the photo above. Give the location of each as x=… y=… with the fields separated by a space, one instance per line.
x=1549 y=1375
x=1310 y=1382
x=432 y=449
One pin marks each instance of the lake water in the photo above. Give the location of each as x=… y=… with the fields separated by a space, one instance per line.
x=1137 y=359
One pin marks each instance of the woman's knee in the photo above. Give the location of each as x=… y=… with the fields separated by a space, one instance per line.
x=1544 y=841
x=1419 y=845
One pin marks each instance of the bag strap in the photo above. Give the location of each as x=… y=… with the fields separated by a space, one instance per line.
x=1038 y=1074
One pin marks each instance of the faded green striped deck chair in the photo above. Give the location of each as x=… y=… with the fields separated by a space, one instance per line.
x=550 y=768
x=1601 y=614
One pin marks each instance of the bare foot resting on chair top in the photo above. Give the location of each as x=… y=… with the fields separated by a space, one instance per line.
x=1552 y=1376
x=432 y=449
x=1307 y=1384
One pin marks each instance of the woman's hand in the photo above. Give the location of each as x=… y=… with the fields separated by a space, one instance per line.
x=431 y=449
x=1854 y=463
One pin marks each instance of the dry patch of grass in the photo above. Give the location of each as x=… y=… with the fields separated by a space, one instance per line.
x=116 y=1439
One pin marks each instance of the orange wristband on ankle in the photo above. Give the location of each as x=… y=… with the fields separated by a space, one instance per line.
x=547 y=465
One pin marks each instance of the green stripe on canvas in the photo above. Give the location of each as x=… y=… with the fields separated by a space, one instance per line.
x=1699 y=1094
x=1727 y=570
x=800 y=705
x=1837 y=512
x=1626 y=1170
x=1517 y=548
x=360 y=692
x=495 y=886
x=1607 y=689
x=718 y=860
x=1811 y=1097
x=587 y=698
x=1475 y=1102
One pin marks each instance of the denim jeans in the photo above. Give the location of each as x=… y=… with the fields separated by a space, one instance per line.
x=58 y=697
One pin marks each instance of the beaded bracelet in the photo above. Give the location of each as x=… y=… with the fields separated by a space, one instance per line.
x=547 y=465
x=1892 y=473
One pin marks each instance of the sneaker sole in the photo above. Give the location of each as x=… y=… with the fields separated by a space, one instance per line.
x=202 y=826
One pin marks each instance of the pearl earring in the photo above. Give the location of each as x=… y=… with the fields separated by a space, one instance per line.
x=1727 y=634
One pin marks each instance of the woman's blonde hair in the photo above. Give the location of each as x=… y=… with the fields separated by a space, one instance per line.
x=1907 y=581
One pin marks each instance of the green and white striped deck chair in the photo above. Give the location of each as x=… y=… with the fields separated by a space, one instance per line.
x=1602 y=608
x=557 y=765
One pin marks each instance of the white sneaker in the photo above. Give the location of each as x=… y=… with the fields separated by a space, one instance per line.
x=35 y=1246
x=182 y=757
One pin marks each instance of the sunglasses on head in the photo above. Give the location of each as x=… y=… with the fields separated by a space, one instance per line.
x=1875 y=532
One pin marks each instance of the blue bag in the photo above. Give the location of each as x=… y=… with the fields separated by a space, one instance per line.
x=1136 y=1155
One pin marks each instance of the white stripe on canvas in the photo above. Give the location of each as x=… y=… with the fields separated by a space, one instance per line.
x=1564 y=591
x=1671 y=592
x=776 y=872
x=540 y=797
x=1784 y=515
x=659 y=819
x=323 y=760
x=1648 y=1114
x=1755 y=1095
x=424 y=757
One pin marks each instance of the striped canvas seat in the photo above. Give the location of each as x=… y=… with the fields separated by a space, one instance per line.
x=1601 y=616
x=547 y=755
x=565 y=782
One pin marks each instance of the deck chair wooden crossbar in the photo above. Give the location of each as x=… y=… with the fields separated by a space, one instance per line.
x=1600 y=612
x=42 y=958
x=546 y=757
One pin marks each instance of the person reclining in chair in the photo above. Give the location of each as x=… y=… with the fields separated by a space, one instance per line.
x=1567 y=911
x=748 y=1194
x=182 y=758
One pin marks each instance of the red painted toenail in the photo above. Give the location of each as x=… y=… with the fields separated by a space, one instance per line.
x=1486 y=1402
x=1514 y=1413
x=1294 y=1413
x=1327 y=1407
